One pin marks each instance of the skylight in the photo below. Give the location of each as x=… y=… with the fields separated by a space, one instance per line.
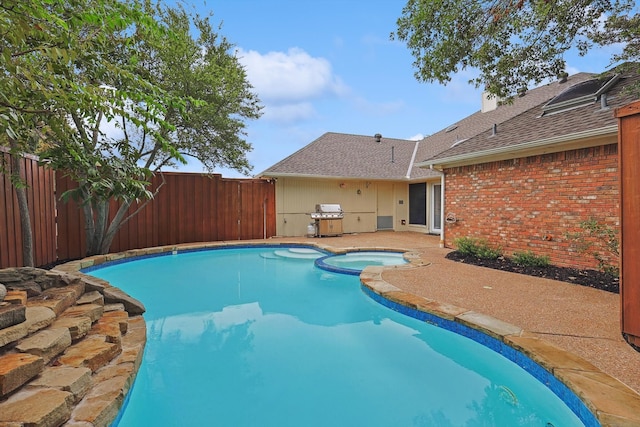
x=580 y=94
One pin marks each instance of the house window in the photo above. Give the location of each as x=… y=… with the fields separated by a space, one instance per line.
x=418 y=204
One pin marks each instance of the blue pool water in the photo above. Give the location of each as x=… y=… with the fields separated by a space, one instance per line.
x=243 y=337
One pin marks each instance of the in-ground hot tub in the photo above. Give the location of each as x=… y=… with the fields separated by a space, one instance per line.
x=355 y=262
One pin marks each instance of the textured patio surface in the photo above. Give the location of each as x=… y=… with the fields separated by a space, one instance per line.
x=576 y=318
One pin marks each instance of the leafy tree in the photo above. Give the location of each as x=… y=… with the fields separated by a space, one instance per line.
x=44 y=46
x=204 y=100
x=511 y=42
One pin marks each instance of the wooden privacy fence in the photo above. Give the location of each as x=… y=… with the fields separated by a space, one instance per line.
x=41 y=201
x=188 y=208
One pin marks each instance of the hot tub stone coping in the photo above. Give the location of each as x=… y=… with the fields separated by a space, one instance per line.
x=611 y=401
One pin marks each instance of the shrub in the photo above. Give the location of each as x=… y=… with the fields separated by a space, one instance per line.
x=478 y=248
x=529 y=259
x=596 y=239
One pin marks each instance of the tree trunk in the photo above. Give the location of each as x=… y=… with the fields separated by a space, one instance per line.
x=89 y=228
x=99 y=231
x=96 y=215
x=23 y=207
x=117 y=222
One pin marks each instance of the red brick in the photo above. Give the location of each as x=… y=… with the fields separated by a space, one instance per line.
x=515 y=207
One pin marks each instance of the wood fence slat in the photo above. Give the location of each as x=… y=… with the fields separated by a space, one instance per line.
x=15 y=220
x=50 y=217
x=5 y=194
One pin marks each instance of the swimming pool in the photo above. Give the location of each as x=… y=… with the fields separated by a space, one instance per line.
x=238 y=337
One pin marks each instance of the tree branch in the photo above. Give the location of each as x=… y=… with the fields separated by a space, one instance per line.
x=24 y=110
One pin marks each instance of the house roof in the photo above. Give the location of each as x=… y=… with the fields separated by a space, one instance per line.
x=479 y=122
x=540 y=128
x=337 y=155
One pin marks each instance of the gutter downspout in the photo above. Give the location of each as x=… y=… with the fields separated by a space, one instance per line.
x=441 y=204
x=412 y=161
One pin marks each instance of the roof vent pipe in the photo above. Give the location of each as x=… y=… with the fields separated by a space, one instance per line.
x=494 y=131
x=603 y=101
x=393 y=159
x=378 y=137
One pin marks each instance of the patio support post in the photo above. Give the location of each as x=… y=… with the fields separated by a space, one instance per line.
x=441 y=173
x=442 y=209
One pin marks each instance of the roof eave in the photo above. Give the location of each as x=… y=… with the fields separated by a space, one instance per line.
x=301 y=175
x=533 y=147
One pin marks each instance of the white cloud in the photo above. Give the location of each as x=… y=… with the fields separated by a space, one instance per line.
x=288 y=113
x=290 y=76
x=416 y=137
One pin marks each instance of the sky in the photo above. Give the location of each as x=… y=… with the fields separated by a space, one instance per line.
x=329 y=66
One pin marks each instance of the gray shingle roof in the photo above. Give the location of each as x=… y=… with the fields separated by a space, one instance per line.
x=337 y=155
x=532 y=126
x=351 y=156
x=480 y=122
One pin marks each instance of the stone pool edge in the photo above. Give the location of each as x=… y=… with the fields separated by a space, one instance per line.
x=612 y=402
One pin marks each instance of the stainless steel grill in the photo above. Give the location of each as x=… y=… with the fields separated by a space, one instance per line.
x=328 y=219
x=328 y=211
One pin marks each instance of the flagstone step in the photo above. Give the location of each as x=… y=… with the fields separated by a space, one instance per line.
x=11 y=314
x=92 y=352
x=76 y=381
x=16 y=369
x=93 y=297
x=78 y=326
x=47 y=343
x=16 y=297
x=58 y=299
x=92 y=311
x=37 y=408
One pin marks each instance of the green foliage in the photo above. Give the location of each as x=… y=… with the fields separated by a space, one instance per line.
x=197 y=65
x=530 y=259
x=69 y=67
x=598 y=239
x=478 y=248
x=513 y=43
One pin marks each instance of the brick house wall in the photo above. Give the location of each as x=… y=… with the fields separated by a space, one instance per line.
x=533 y=203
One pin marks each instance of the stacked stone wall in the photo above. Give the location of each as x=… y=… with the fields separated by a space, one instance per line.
x=70 y=347
x=537 y=204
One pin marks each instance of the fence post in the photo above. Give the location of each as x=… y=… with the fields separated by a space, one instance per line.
x=629 y=173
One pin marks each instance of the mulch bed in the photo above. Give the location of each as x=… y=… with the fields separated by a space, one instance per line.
x=591 y=278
